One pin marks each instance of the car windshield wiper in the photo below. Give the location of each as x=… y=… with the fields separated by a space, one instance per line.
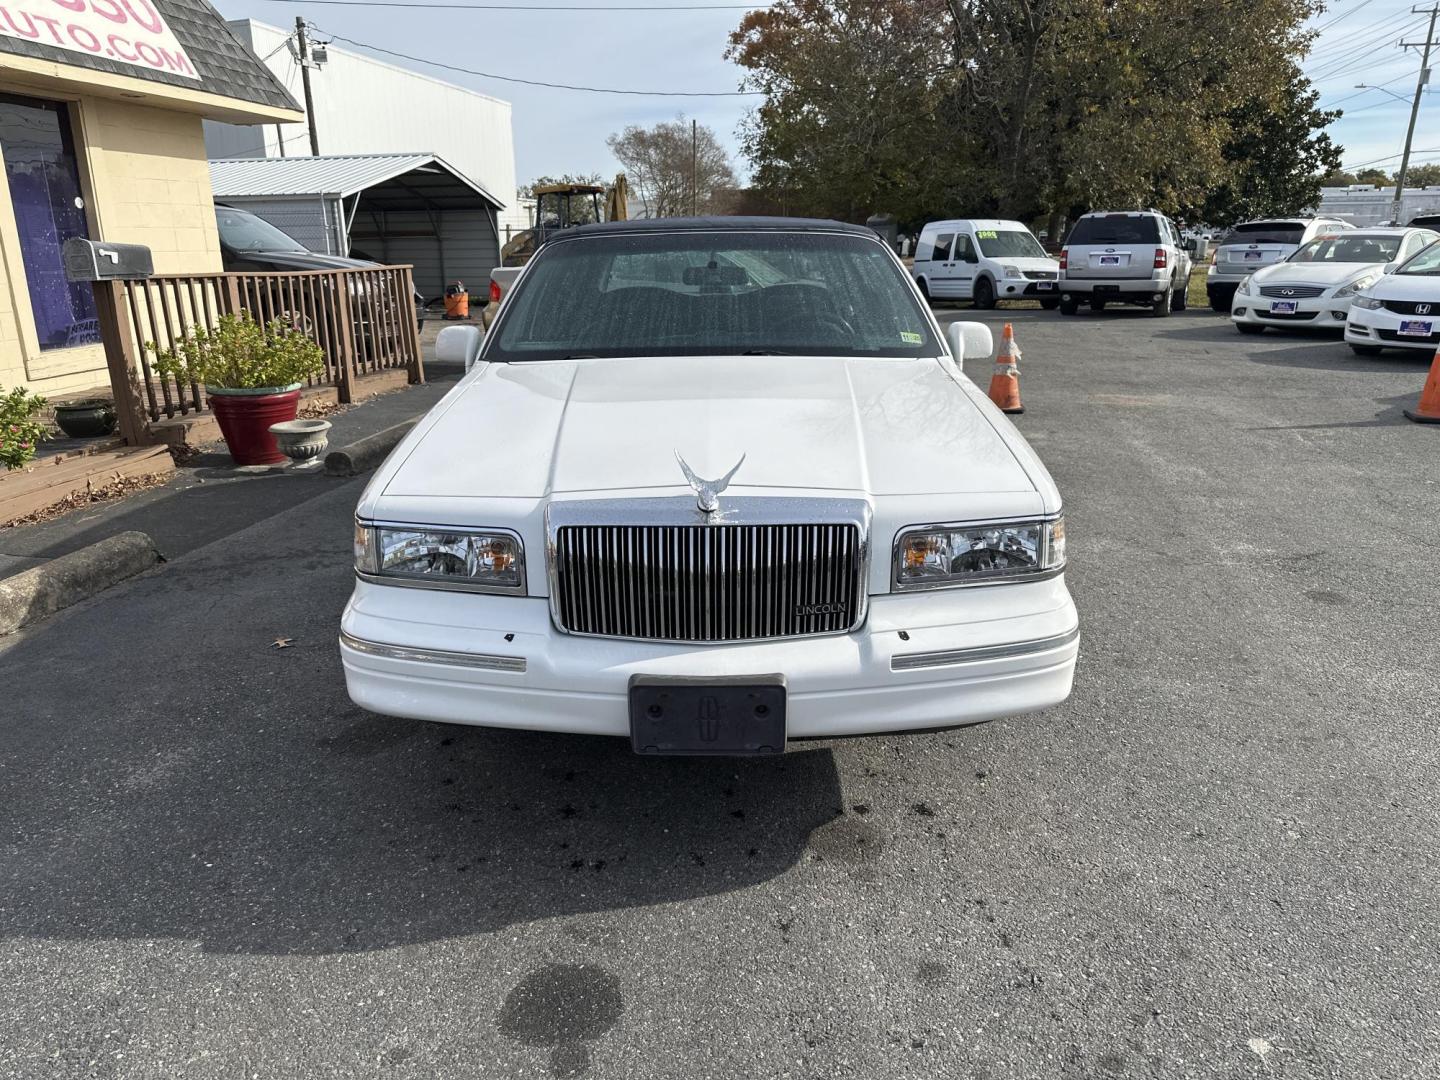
x=580 y=356
x=767 y=352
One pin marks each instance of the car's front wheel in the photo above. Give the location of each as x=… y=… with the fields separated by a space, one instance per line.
x=1249 y=328
x=984 y=294
x=1365 y=350
x=1160 y=308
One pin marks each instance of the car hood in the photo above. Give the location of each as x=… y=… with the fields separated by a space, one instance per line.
x=877 y=426
x=307 y=260
x=1034 y=262
x=1407 y=287
x=1326 y=274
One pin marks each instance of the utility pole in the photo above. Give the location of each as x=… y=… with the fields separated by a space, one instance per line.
x=1420 y=81
x=694 y=167
x=303 y=42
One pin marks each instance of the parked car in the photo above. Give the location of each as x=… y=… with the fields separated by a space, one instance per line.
x=250 y=243
x=1124 y=257
x=984 y=260
x=1426 y=219
x=731 y=487
x=1251 y=245
x=1400 y=310
x=1315 y=286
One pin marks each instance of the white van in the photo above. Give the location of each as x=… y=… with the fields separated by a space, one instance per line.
x=984 y=260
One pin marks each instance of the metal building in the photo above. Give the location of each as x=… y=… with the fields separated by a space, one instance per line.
x=367 y=106
x=392 y=208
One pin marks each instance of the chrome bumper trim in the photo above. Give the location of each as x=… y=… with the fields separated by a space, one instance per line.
x=916 y=661
x=480 y=661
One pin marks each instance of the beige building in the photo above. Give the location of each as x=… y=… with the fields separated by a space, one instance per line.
x=101 y=135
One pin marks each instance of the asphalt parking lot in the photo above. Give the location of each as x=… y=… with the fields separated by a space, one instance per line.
x=1218 y=859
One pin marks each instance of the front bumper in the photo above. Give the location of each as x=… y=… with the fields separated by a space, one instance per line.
x=968 y=655
x=1319 y=313
x=1381 y=328
x=1027 y=288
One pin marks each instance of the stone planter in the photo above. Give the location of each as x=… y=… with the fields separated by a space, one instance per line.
x=87 y=419
x=302 y=441
x=245 y=417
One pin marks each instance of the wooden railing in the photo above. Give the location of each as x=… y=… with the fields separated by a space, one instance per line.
x=363 y=320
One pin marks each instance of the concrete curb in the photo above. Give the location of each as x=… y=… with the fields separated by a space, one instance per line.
x=369 y=452
x=44 y=590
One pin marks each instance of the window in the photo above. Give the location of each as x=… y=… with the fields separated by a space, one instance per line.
x=1267 y=232
x=726 y=292
x=1348 y=248
x=45 y=190
x=1115 y=229
x=942 y=246
x=241 y=230
x=1009 y=244
x=1427 y=263
x=964 y=250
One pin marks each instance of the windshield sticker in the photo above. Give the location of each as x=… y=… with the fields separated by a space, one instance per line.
x=986 y=234
x=911 y=338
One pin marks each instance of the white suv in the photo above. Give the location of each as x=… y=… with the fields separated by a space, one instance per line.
x=1253 y=244
x=983 y=260
x=1124 y=257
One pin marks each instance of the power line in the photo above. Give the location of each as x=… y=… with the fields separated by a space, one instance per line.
x=1362 y=92
x=1344 y=54
x=1326 y=25
x=537 y=82
x=1391 y=157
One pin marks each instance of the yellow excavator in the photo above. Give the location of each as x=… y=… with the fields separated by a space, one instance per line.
x=562 y=206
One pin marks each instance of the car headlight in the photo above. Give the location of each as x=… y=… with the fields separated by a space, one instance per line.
x=1010 y=271
x=1369 y=303
x=1363 y=282
x=1244 y=287
x=480 y=560
x=950 y=555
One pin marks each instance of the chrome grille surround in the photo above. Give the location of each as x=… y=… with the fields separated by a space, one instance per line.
x=1292 y=292
x=708 y=578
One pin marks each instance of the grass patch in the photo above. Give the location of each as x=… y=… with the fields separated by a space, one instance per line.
x=1195 y=295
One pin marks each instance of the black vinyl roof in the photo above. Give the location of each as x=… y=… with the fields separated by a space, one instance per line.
x=225 y=66
x=713 y=224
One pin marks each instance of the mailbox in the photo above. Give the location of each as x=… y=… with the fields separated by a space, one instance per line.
x=94 y=260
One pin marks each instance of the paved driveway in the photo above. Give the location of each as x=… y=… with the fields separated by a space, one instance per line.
x=1218 y=859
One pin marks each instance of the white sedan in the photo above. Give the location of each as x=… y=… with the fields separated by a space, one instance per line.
x=709 y=485
x=1400 y=310
x=1315 y=286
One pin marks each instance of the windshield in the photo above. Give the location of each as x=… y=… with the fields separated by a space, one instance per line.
x=1348 y=248
x=1115 y=229
x=1426 y=261
x=1267 y=232
x=243 y=231
x=711 y=293
x=1008 y=244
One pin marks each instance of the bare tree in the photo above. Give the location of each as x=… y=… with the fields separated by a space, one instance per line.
x=677 y=168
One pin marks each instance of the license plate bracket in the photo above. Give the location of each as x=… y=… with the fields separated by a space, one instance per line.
x=1109 y=260
x=1416 y=327
x=707 y=716
x=1283 y=307
x=1044 y=286
x=1107 y=288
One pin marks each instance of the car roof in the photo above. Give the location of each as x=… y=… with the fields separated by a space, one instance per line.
x=712 y=224
x=950 y=223
x=1122 y=213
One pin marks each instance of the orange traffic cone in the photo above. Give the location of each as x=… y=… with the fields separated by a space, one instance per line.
x=1005 y=383
x=1428 y=411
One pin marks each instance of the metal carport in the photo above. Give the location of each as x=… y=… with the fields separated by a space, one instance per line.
x=393 y=208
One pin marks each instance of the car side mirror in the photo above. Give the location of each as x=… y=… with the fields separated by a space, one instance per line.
x=969 y=341
x=458 y=345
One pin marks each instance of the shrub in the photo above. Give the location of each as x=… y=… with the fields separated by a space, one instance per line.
x=241 y=354
x=20 y=432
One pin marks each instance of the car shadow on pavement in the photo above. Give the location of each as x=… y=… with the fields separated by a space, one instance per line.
x=168 y=770
x=1334 y=355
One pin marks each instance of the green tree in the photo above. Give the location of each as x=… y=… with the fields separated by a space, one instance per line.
x=1418 y=176
x=1277 y=152
x=1378 y=177
x=1338 y=178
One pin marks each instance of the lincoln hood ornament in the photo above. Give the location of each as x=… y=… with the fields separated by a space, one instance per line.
x=708 y=491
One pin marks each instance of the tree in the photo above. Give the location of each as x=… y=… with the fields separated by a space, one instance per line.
x=1419 y=176
x=1372 y=175
x=1277 y=152
x=675 y=168
x=1338 y=178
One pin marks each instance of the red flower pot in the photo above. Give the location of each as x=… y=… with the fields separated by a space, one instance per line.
x=245 y=417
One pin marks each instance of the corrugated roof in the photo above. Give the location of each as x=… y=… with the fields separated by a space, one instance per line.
x=225 y=66
x=335 y=175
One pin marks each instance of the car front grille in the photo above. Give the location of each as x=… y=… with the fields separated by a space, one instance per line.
x=1411 y=307
x=1280 y=316
x=1291 y=292
x=708 y=583
x=1041 y=275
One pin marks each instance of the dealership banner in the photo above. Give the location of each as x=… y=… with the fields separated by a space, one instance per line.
x=126 y=31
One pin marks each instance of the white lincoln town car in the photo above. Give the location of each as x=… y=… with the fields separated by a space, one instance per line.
x=712 y=484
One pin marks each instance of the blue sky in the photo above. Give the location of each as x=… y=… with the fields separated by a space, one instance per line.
x=559 y=131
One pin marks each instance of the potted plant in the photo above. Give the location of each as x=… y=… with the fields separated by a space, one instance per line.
x=87 y=419
x=19 y=430
x=252 y=375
